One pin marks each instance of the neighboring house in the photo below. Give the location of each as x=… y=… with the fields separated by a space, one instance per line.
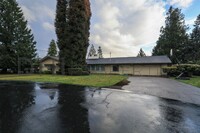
x=49 y=63
x=142 y=66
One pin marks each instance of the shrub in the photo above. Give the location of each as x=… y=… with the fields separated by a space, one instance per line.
x=77 y=71
x=171 y=71
x=197 y=70
x=46 y=72
x=85 y=73
x=58 y=72
x=188 y=69
x=198 y=62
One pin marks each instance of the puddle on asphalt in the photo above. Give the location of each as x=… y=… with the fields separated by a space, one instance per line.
x=46 y=108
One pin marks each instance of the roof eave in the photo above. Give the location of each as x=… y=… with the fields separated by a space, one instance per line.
x=46 y=57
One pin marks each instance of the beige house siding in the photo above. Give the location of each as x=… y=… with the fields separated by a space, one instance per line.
x=139 y=70
x=43 y=65
x=150 y=69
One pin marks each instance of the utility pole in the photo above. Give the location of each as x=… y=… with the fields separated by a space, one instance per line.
x=110 y=54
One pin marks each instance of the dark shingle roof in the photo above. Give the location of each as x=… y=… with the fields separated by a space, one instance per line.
x=131 y=60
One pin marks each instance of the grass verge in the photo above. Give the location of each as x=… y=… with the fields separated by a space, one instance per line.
x=194 y=81
x=91 y=80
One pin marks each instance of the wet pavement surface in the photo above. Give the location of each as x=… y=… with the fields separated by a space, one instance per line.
x=164 y=88
x=53 y=108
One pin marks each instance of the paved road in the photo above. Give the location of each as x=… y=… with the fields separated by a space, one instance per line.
x=165 y=88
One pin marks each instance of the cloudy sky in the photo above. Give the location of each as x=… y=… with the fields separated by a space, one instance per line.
x=121 y=27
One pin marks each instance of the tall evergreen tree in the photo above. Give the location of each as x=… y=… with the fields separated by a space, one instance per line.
x=16 y=40
x=100 y=53
x=61 y=24
x=141 y=53
x=173 y=36
x=72 y=29
x=78 y=29
x=52 y=51
x=92 y=51
x=194 y=49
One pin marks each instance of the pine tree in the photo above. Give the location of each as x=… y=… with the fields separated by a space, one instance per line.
x=194 y=49
x=92 y=51
x=141 y=53
x=16 y=40
x=52 y=51
x=100 y=53
x=173 y=36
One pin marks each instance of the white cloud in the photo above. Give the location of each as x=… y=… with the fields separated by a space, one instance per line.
x=43 y=11
x=123 y=27
x=181 y=3
x=190 y=21
x=37 y=12
x=28 y=14
x=48 y=26
x=118 y=26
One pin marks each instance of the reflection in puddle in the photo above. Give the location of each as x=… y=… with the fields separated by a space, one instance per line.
x=46 y=108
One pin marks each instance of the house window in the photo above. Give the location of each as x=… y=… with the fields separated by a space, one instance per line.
x=102 y=68
x=116 y=68
x=49 y=67
x=92 y=68
x=97 y=68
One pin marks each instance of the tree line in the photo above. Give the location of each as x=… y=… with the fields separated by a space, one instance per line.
x=174 y=41
x=93 y=53
x=17 y=44
x=72 y=23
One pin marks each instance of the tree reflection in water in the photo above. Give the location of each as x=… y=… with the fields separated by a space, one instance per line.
x=14 y=99
x=74 y=117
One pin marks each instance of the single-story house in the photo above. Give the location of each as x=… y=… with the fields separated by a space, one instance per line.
x=140 y=66
x=49 y=63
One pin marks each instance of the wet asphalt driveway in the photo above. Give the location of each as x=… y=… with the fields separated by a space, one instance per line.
x=164 y=88
x=57 y=108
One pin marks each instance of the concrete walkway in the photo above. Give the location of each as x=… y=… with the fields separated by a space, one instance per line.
x=165 y=88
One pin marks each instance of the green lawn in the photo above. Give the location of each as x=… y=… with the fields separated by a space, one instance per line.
x=195 y=81
x=91 y=80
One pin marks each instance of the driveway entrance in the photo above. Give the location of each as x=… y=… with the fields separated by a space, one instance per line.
x=164 y=88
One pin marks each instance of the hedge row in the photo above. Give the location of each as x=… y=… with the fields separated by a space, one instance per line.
x=77 y=71
x=46 y=72
x=70 y=71
x=190 y=69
